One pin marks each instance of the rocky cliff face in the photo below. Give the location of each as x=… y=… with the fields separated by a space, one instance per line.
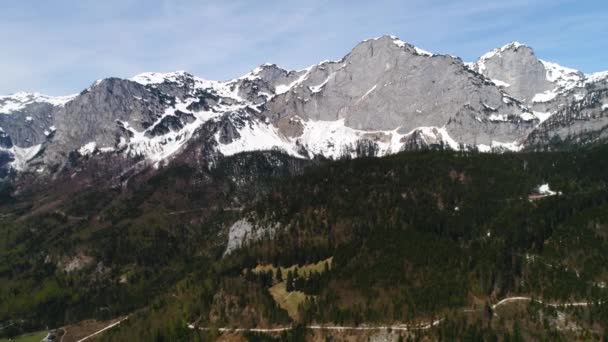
x=27 y=121
x=383 y=84
x=582 y=120
x=385 y=96
x=516 y=69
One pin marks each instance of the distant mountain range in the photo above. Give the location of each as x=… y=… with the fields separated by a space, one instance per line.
x=385 y=96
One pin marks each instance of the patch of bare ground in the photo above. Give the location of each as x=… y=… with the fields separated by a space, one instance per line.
x=80 y=330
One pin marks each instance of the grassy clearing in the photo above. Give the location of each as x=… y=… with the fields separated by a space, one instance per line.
x=288 y=301
x=302 y=270
x=30 y=337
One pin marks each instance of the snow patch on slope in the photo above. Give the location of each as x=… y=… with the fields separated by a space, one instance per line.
x=402 y=44
x=333 y=139
x=158 y=148
x=22 y=155
x=565 y=79
x=257 y=136
x=547 y=96
x=542 y=116
x=525 y=116
x=423 y=52
x=88 y=148
x=500 y=83
x=497 y=146
x=327 y=138
x=435 y=135
x=545 y=190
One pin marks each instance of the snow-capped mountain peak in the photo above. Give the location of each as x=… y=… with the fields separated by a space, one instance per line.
x=177 y=77
x=147 y=78
x=597 y=77
x=19 y=100
x=400 y=43
x=496 y=52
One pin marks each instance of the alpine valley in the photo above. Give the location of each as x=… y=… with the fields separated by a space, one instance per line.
x=395 y=194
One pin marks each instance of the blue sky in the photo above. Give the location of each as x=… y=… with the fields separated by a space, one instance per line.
x=60 y=47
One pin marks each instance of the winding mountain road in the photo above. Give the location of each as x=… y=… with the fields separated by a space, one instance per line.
x=528 y=299
x=103 y=329
x=399 y=327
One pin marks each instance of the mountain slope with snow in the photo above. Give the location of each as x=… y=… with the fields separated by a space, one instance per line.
x=384 y=97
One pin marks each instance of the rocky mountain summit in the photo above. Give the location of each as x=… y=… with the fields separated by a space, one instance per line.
x=385 y=96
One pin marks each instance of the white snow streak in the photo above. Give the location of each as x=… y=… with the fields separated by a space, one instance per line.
x=501 y=83
x=283 y=88
x=88 y=148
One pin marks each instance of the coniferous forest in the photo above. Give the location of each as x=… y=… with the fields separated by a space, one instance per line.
x=407 y=239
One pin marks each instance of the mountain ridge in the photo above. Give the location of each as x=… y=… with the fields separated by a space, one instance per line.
x=383 y=97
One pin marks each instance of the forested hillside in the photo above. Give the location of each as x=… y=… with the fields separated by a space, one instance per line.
x=412 y=238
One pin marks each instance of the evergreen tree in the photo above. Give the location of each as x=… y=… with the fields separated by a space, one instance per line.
x=488 y=312
x=289 y=281
x=279 y=275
